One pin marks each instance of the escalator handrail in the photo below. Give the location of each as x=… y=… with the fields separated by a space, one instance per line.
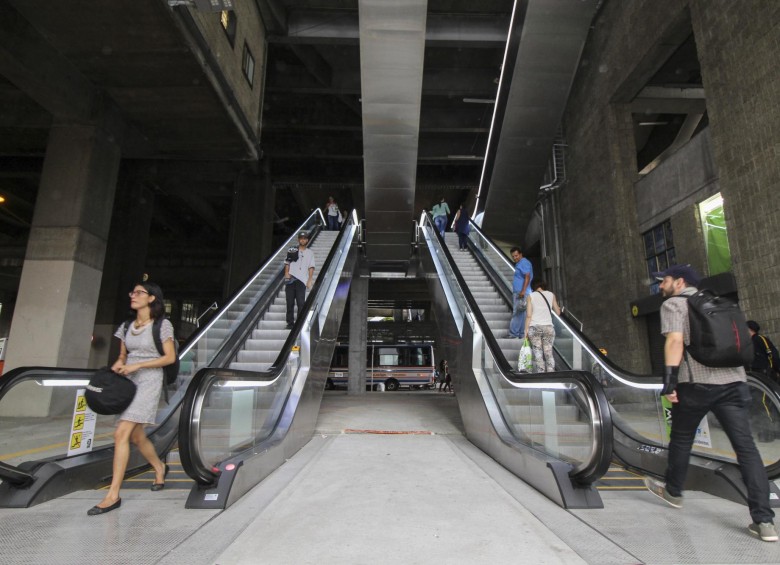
x=231 y=345
x=638 y=380
x=189 y=422
x=563 y=318
x=189 y=344
x=12 y=378
x=20 y=374
x=602 y=419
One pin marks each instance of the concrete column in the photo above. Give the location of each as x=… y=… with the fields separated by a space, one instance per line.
x=358 y=333
x=60 y=283
x=251 y=229
x=127 y=249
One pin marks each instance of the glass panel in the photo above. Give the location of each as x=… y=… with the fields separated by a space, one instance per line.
x=659 y=251
x=658 y=236
x=553 y=417
x=39 y=420
x=668 y=233
x=201 y=353
x=671 y=256
x=238 y=414
x=540 y=413
x=652 y=266
x=649 y=246
x=388 y=356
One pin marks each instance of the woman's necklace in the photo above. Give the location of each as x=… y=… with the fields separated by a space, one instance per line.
x=138 y=325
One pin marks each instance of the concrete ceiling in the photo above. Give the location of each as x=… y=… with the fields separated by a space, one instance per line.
x=321 y=134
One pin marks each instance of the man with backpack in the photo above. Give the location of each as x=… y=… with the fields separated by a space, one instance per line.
x=765 y=357
x=695 y=388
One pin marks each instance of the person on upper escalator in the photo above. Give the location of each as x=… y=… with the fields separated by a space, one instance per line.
x=521 y=288
x=439 y=214
x=765 y=357
x=298 y=276
x=539 y=326
x=332 y=214
x=462 y=227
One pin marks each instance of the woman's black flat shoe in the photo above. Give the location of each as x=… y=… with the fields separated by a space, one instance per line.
x=95 y=510
x=160 y=486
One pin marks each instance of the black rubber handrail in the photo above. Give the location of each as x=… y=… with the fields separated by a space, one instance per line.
x=21 y=477
x=599 y=464
x=773 y=469
x=192 y=463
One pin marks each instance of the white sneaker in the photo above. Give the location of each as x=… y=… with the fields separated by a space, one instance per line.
x=659 y=489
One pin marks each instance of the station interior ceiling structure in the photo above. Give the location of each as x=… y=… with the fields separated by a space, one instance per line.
x=318 y=135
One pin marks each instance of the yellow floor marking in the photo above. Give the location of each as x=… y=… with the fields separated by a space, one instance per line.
x=6 y=456
x=619 y=488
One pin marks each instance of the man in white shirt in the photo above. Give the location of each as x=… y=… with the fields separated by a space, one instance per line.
x=298 y=276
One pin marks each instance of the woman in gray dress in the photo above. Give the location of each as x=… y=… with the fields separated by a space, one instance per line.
x=141 y=362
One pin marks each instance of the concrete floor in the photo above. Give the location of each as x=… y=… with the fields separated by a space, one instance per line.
x=387 y=478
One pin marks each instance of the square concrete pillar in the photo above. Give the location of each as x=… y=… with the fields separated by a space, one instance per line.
x=58 y=293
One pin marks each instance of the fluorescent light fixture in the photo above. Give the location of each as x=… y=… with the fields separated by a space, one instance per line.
x=495 y=107
x=246 y=384
x=465 y=157
x=653 y=123
x=544 y=386
x=64 y=382
x=479 y=100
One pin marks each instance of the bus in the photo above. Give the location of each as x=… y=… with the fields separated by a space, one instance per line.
x=394 y=365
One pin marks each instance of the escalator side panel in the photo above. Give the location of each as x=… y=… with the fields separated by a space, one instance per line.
x=482 y=419
x=299 y=417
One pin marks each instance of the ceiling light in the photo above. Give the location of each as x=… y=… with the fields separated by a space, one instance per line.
x=479 y=100
x=653 y=123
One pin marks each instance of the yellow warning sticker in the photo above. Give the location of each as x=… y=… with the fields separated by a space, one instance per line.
x=78 y=422
x=82 y=429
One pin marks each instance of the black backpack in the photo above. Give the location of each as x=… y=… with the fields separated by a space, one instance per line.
x=171 y=371
x=719 y=333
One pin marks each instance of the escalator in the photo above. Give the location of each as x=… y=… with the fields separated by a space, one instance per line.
x=244 y=417
x=552 y=430
x=639 y=437
x=49 y=446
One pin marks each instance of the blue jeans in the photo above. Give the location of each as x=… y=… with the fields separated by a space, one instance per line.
x=517 y=323
x=333 y=223
x=730 y=403
x=441 y=224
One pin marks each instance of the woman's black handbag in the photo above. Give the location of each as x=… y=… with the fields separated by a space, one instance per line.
x=109 y=392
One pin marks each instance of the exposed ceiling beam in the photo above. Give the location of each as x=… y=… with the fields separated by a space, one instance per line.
x=342 y=27
x=392 y=47
x=36 y=68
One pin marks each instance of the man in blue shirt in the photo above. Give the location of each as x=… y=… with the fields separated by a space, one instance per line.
x=521 y=290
